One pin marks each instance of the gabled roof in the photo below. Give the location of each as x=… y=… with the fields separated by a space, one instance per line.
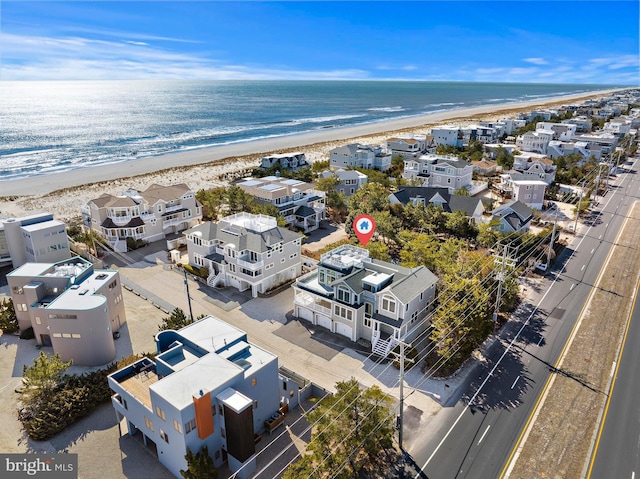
x=455 y=162
x=523 y=211
x=406 y=194
x=418 y=280
x=466 y=204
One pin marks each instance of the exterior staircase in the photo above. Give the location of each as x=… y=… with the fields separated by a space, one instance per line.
x=214 y=279
x=383 y=347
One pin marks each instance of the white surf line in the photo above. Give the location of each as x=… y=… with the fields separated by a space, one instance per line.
x=514 y=382
x=484 y=434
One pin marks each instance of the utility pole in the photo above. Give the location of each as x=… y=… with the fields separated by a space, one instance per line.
x=186 y=283
x=503 y=260
x=575 y=226
x=402 y=360
x=553 y=236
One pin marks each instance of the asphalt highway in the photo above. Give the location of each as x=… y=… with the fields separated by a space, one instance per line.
x=475 y=437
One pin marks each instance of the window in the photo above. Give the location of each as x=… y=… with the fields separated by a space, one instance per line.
x=223 y=433
x=160 y=413
x=389 y=304
x=255 y=404
x=76 y=336
x=218 y=454
x=367 y=322
x=344 y=295
x=18 y=290
x=220 y=409
x=149 y=424
x=163 y=436
x=284 y=385
x=291 y=256
x=38 y=320
x=177 y=426
x=254 y=381
x=189 y=426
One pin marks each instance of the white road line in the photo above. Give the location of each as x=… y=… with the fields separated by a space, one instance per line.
x=600 y=237
x=572 y=286
x=633 y=475
x=593 y=250
x=540 y=340
x=583 y=266
x=484 y=434
x=514 y=382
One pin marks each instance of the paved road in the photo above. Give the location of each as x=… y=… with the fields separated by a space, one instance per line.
x=473 y=438
x=617 y=451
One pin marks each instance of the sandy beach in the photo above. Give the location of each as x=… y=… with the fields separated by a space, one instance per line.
x=64 y=193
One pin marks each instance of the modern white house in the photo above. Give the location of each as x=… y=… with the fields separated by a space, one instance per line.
x=440 y=171
x=149 y=215
x=245 y=251
x=299 y=203
x=208 y=386
x=408 y=147
x=561 y=131
x=350 y=180
x=356 y=155
x=583 y=124
x=447 y=135
x=358 y=297
x=35 y=238
x=71 y=308
x=287 y=161
x=513 y=216
x=534 y=141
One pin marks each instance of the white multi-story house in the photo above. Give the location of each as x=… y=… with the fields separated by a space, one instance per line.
x=447 y=135
x=561 y=131
x=301 y=206
x=534 y=141
x=287 y=161
x=521 y=188
x=482 y=133
x=356 y=155
x=440 y=171
x=36 y=238
x=358 y=297
x=607 y=141
x=245 y=251
x=535 y=166
x=618 y=127
x=71 y=308
x=512 y=124
x=149 y=215
x=350 y=180
x=583 y=124
x=207 y=386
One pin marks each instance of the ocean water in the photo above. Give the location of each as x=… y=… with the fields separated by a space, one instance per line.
x=56 y=126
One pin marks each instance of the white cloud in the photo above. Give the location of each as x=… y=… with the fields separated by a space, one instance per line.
x=76 y=58
x=536 y=61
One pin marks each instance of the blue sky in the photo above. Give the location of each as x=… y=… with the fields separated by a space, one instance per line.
x=513 y=41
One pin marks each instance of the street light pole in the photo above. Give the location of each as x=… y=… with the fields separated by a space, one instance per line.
x=186 y=283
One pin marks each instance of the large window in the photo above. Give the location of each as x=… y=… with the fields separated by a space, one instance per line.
x=344 y=295
x=389 y=304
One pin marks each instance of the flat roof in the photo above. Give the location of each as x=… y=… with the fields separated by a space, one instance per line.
x=211 y=333
x=87 y=295
x=206 y=374
x=234 y=400
x=42 y=225
x=251 y=183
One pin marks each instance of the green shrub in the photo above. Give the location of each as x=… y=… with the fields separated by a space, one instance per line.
x=8 y=319
x=27 y=333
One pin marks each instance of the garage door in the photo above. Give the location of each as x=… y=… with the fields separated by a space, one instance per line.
x=344 y=330
x=323 y=321
x=234 y=282
x=304 y=313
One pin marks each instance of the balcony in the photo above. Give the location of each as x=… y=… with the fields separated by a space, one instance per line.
x=250 y=265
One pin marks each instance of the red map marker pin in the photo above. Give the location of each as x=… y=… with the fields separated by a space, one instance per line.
x=364 y=227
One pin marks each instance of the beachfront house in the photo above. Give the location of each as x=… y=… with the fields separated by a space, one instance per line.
x=358 y=297
x=356 y=155
x=447 y=135
x=472 y=207
x=299 y=203
x=513 y=216
x=149 y=215
x=349 y=180
x=207 y=386
x=72 y=308
x=440 y=171
x=35 y=238
x=409 y=146
x=286 y=161
x=245 y=251
x=582 y=123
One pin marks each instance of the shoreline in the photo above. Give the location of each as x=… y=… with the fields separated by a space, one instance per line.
x=207 y=167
